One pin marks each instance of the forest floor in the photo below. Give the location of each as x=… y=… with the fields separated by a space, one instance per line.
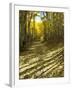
x=42 y=61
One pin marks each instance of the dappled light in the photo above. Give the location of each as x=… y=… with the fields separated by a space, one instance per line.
x=41 y=44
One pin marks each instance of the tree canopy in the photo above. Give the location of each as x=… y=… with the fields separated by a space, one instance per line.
x=37 y=25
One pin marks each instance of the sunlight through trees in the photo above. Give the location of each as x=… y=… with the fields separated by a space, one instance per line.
x=41 y=44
